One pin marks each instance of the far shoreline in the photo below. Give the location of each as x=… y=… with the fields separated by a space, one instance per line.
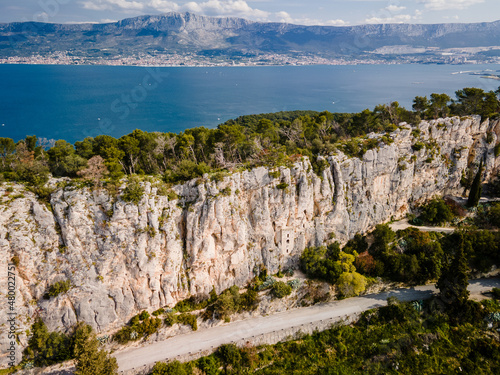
x=359 y=63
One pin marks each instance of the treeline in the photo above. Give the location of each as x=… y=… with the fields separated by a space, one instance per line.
x=247 y=141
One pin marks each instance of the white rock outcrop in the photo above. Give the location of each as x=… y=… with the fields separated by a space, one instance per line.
x=122 y=258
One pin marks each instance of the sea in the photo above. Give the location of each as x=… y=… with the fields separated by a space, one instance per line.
x=75 y=102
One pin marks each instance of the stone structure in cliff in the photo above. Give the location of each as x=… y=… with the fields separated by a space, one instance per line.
x=122 y=258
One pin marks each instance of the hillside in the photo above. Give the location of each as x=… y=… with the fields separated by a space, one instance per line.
x=235 y=38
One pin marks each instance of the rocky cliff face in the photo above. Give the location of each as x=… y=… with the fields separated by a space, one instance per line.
x=122 y=258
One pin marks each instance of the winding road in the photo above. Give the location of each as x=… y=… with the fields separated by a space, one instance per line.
x=133 y=359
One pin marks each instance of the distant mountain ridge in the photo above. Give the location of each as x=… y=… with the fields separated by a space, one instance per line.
x=189 y=33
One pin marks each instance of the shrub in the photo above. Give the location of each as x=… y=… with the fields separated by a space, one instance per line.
x=15 y=260
x=417 y=146
x=249 y=300
x=46 y=348
x=159 y=312
x=436 y=212
x=58 y=288
x=493 y=215
x=281 y=289
x=186 y=170
x=282 y=186
x=230 y=356
x=188 y=319
x=170 y=319
x=172 y=368
x=489 y=137
x=134 y=192
x=226 y=192
x=496 y=293
x=351 y=284
x=192 y=303
x=138 y=328
x=322 y=262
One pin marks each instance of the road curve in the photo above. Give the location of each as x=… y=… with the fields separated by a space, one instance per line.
x=194 y=342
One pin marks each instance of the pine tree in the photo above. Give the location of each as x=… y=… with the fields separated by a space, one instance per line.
x=90 y=360
x=453 y=281
x=476 y=188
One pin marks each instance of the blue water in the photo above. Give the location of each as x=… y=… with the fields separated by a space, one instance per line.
x=73 y=102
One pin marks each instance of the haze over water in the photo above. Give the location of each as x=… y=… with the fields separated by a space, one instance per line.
x=73 y=102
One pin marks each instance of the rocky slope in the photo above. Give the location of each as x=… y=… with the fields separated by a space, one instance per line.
x=122 y=258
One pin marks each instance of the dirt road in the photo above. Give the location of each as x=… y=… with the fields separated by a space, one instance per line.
x=211 y=338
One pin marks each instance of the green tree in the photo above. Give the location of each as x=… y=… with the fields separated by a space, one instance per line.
x=130 y=146
x=383 y=235
x=230 y=356
x=209 y=365
x=421 y=105
x=476 y=188
x=171 y=368
x=7 y=147
x=469 y=101
x=351 y=284
x=453 y=282
x=64 y=161
x=436 y=212
x=46 y=348
x=85 y=148
x=90 y=359
x=439 y=105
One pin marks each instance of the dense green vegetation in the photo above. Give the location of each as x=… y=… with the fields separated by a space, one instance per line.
x=335 y=266
x=434 y=212
x=141 y=325
x=46 y=348
x=416 y=257
x=402 y=338
x=268 y=139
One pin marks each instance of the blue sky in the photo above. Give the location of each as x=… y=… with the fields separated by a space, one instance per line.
x=310 y=12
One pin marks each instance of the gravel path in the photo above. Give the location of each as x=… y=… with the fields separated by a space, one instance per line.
x=211 y=338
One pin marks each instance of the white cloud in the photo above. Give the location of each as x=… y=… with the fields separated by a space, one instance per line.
x=163 y=5
x=394 y=8
x=238 y=8
x=112 y=4
x=286 y=18
x=127 y=5
x=449 y=4
x=400 y=18
x=93 y=5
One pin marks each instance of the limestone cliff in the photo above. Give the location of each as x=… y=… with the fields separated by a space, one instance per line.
x=122 y=258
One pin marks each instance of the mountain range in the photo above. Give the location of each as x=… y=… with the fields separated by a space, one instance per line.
x=187 y=33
